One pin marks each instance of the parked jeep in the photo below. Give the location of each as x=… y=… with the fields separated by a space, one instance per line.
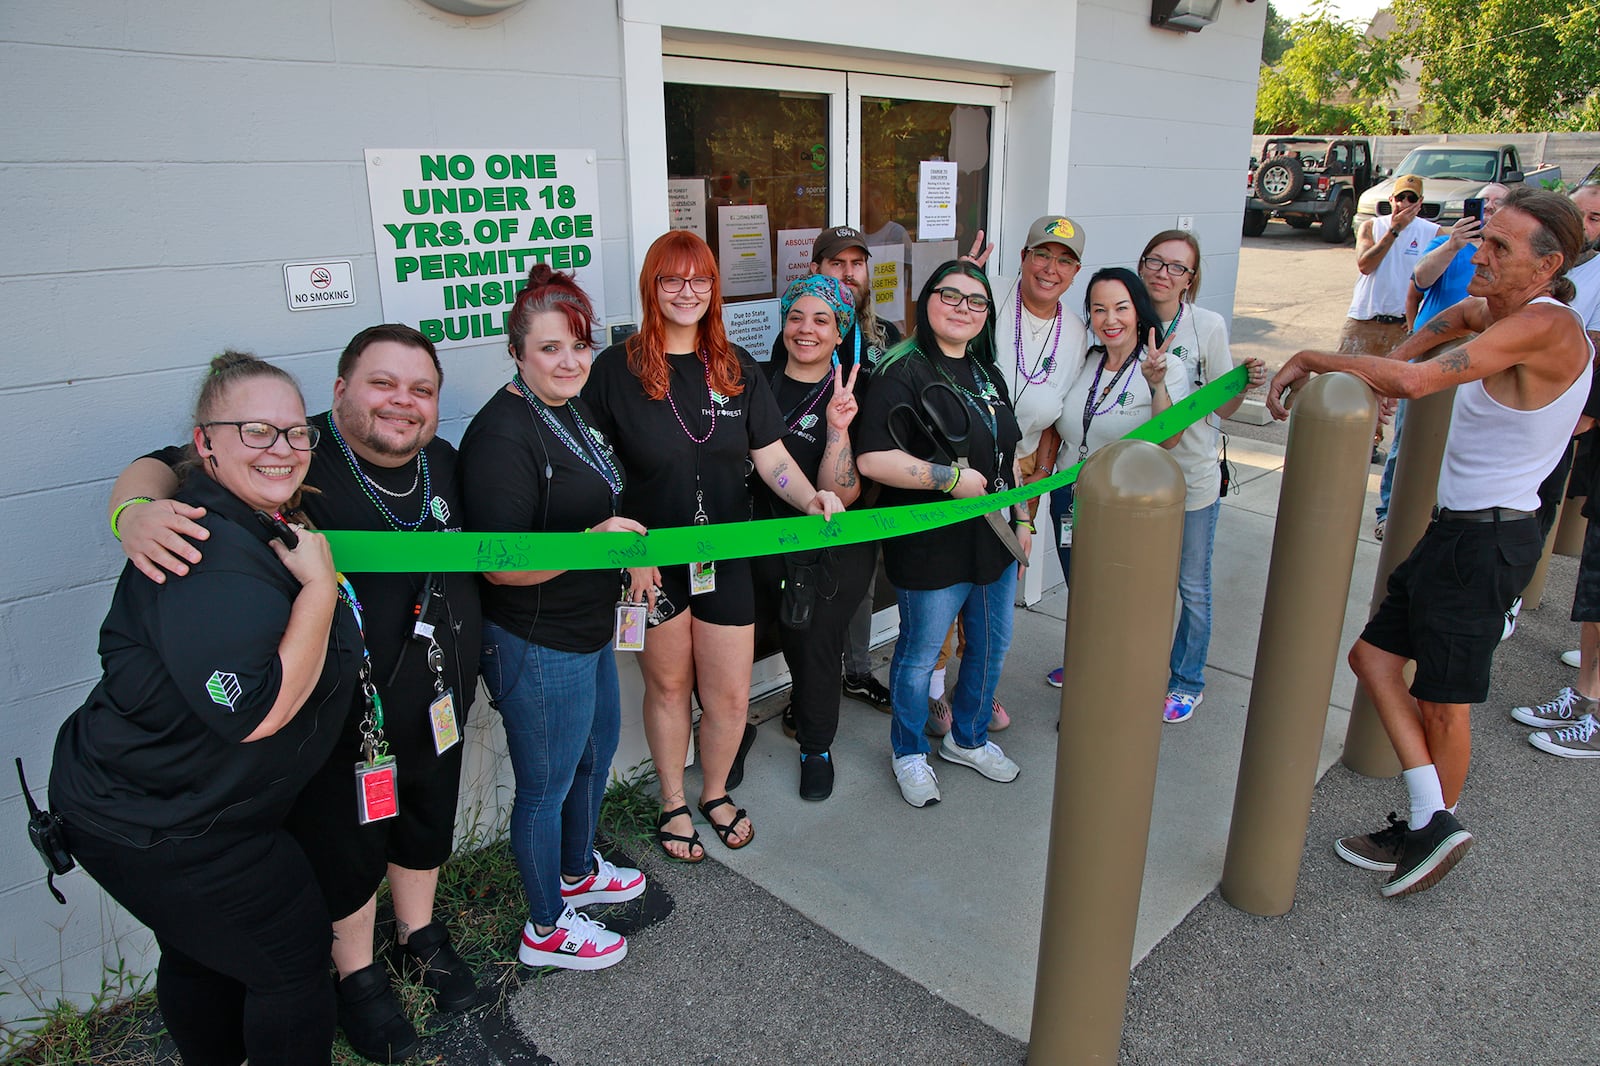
x=1452 y=173
x=1309 y=179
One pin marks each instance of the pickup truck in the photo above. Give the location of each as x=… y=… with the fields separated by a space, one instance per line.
x=1451 y=173
x=1304 y=180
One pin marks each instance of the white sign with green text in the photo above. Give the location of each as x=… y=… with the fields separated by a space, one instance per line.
x=457 y=232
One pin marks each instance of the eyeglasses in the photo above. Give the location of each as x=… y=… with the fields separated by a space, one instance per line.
x=955 y=297
x=1043 y=258
x=1156 y=266
x=1407 y=197
x=263 y=435
x=672 y=284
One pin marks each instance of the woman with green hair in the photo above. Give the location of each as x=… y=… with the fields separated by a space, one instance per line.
x=958 y=570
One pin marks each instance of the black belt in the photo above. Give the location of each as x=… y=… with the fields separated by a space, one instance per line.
x=1487 y=514
x=1387 y=320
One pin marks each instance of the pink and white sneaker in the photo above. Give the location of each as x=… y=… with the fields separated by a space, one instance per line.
x=1180 y=706
x=608 y=884
x=577 y=943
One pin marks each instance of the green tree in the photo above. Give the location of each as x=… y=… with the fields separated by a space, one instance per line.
x=1275 y=41
x=1332 y=79
x=1498 y=66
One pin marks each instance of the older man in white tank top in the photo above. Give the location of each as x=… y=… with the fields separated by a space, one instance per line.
x=1522 y=382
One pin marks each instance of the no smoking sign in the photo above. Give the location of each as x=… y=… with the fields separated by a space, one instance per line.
x=309 y=286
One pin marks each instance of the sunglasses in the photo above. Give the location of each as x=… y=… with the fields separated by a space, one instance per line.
x=1407 y=197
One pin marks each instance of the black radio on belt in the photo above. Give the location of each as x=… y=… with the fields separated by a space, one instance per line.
x=49 y=838
x=427 y=612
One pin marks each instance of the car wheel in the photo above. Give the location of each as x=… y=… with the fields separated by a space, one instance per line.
x=1338 y=225
x=1255 y=222
x=1278 y=179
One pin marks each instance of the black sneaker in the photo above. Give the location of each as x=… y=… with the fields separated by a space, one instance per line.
x=429 y=956
x=816 y=776
x=869 y=689
x=1378 y=851
x=1428 y=854
x=370 y=1015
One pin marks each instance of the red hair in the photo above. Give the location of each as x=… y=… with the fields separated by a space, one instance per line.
x=550 y=290
x=679 y=253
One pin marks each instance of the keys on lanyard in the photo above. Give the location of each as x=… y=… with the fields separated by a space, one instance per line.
x=377 y=792
x=702 y=576
x=442 y=711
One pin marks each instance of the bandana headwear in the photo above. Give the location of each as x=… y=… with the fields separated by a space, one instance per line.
x=841 y=299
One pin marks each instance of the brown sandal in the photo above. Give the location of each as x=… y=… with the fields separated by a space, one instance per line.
x=663 y=838
x=726 y=831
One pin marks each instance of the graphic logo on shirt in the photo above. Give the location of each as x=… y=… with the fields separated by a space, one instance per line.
x=1177 y=350
x=224 y=689
x=807 y=421
x=439 y=509
x=722 y=401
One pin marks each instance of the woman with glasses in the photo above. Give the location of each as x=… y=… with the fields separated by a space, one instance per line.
x=687 y=411
x=222 y=694
x=1196 y=340
x=531 y=462
x=812 y=595
x=945 y=373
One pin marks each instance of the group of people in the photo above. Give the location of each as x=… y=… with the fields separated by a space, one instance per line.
x=272 y=739
x=1514 y=347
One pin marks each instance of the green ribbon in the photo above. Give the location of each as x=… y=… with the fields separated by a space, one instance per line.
x=367 y=552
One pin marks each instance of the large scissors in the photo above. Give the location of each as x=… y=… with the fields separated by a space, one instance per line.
x=940 y=425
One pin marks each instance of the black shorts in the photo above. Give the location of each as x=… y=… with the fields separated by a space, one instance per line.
x=1586 y=597
x=350 y=859
x=731 y=603
x=1445 y=605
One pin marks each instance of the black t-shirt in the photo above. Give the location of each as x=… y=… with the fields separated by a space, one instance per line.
x=967 y=551
x=652 y=437
x=504 y=456
x=191 y=668
x=804 y=407
x=388 y=601
x=852 y=343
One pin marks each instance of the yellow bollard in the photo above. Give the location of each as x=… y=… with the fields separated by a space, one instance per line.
x=1308 y=584
x=1416 y=486
x=1126 y=545
x=1570 y=530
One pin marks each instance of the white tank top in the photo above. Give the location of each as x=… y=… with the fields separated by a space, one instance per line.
x=1383 y=292
x=1479 y=470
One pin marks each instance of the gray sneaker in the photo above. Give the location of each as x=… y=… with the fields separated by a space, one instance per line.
x=1378 y=850
x=988 y=760
x=1564 y=709
x=1581 y=740
x=918 y=784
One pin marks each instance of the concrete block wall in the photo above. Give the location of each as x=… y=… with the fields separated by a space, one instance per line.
x=161 y=162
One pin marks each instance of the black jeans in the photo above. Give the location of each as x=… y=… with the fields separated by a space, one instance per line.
x=813 y=653
x=245 y=939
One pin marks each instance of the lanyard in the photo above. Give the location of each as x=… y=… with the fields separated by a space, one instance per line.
x=373 y=746
x=983 y=404
x=1091 y=405
x=586 y=449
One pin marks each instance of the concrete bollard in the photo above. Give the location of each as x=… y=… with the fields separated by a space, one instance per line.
x=1570 y=529
x=1416 y=486
x=1533 y=595
x=1308 y=584
x=1125 y=552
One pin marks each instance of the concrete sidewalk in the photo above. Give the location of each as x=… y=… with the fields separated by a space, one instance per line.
x=864 y=930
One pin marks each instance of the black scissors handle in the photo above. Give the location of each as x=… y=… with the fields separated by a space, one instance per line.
x=943 y=423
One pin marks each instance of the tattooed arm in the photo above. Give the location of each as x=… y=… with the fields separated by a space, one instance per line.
x=838 y=470
x=777 y=468
x=905 y=471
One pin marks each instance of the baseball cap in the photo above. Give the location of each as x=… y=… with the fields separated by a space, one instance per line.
x=1056 y=229
x=830 y=242
x=1407 y=183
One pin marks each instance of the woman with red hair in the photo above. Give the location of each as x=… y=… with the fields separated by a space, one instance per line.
x=686 y=411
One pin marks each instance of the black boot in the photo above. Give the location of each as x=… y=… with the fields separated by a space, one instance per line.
x=370 y=1015
x=429 y=955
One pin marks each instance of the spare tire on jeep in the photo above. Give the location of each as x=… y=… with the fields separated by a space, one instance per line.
x=1278 y=179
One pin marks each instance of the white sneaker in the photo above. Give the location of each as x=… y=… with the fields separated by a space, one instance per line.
x=1510 y=625
x=1566 y=707
x=578 y=943
x=918 y=784
x=607 y=884
x=988 y=760
x=1573 y=658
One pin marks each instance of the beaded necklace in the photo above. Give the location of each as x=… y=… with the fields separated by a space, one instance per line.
x=1036 y=376
x=675 y=414
x=367 y=484
x=590 y=453
x=983 y=403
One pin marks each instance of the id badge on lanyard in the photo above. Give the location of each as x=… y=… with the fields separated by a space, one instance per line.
x=442 y=710
x=377 y=781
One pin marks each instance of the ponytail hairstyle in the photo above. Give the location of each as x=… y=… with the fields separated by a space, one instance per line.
x=549 y=290
x=227 y=370
x=922 y=338
x=1560 y=232
x=680 y=253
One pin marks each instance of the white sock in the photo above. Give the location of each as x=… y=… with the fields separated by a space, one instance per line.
x=1427 y=797
x=936 y=684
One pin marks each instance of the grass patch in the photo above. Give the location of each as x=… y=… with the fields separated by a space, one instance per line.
x=480 y=897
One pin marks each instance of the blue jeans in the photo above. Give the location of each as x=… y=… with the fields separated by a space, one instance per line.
x=926 y=615
x=1187 y=665
x=1060 y=512
x=562 y=713
x=1386 y=483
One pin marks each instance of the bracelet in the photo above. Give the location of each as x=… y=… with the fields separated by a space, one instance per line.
x=123 y=506
x=955 y=479
x=1027 y=523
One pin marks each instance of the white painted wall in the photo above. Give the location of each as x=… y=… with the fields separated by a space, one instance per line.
x=163 y=158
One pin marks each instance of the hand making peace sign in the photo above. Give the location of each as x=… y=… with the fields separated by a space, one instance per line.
x=1154 y=364
x=842 y=407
